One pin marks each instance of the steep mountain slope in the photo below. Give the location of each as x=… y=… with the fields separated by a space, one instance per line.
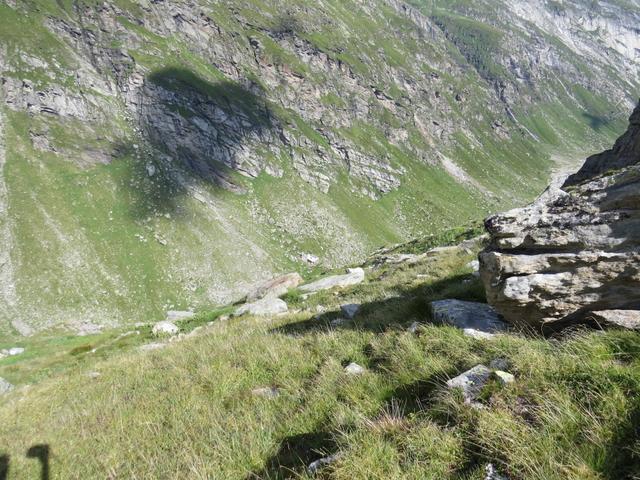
x=165 y=154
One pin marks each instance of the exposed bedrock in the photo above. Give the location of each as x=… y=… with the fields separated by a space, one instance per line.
x=575 y=250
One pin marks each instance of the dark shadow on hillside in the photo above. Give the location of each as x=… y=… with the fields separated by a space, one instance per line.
x=411 y=305
x=41 y=453
x=596 y=122
x=4 y=466
x=295 y=454
x=199 y=130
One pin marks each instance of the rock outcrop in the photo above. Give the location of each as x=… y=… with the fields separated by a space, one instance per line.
x=576 y=250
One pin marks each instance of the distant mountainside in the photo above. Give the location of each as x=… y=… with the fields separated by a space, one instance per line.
x=165 y=154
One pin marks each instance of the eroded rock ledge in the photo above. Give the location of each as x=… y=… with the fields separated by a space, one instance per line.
x=576 y=249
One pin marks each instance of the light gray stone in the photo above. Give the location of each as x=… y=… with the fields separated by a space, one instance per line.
x=504 y=377
x=479 y=317
x=471 y=382
x=315 y=466
x=264 y=307
x=477 y=334
x=352 y=277
x=350 y=310
x=491 y=473
x=165 y=328
x=354 y=369
x=499 y=364
x=413 y=328
x=5 y=387
x=629 y=319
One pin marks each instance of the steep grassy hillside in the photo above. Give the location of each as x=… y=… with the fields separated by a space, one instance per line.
x=166 y=155
x=96 y=406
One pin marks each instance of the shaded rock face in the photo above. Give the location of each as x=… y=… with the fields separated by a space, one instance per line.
x=574 y=251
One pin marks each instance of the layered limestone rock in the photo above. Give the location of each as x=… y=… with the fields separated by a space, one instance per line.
x=574 y=251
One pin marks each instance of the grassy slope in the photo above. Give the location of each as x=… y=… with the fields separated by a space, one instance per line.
x=93 y=230
x=187 y=411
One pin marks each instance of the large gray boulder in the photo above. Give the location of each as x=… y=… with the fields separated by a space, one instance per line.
x=274 y=287
x=574 y=251
x=266 y=306
x=352 y=277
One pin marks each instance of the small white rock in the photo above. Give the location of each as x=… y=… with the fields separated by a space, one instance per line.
x=504 y=377
x=267 y=392
x=15 y=351
x=165 y=328
x=322 y=462
x=478 y=334
x=354 y=369
x=93 y=374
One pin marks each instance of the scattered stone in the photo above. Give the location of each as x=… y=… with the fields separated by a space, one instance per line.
x=10 y=352
x=350 y=310
x=499 y=364
x=275 y=287
x=629 y=319
x=152 y=346
x=479 y=317
x=474 y=265
x=165 y=328
x=5 y=387
x=322 y=462
x=471 y=382
x=320 y=309
x=354 y=369
x=309 y=258
x=441 y=250
x=504 y=377
x=353 y=277
x=477 y=334
x=93 y=374
x=267 y=392
x=177 y=315
x=492 y=474
x=413 y=328
x=266 y=306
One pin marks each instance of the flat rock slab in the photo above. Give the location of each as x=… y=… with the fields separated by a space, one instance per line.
x=353 y=277
x=264 y=307
x=275 y=287
x=471 y=382
x=475 y=316
x=629 y=319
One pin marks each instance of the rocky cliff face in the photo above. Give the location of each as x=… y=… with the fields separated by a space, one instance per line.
x=576 y=251
x=169 y=154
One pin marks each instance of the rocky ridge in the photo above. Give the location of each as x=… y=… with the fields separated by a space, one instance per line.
x=573 y=255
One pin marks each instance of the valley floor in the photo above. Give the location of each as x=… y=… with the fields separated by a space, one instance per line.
x=262 y=398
